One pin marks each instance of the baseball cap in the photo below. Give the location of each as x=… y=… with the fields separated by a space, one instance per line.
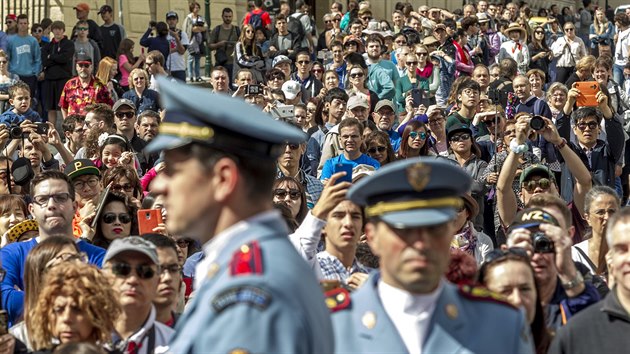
x=83 y=58
x=105 y=8
x=171 y=14
x=439 y=26
x=456 y=128
x=384 y=103
x=11 y=17
x=131 y=244
x=81 y=167
x=291 y=89
x=280 y=59
x=82 y=7
x=532 y=217
x=124 y=102
x=357 y=101
x=536 y=170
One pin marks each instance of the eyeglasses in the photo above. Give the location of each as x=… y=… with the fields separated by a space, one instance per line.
x=293 y=146
x=109 y=218
x=412 y=63
x=294 y=194
x=127 y=187
x=126 y=114
x=421 y=135
x=68 y=257
x=123 y=270
x=84 y=65
x=59 y=198
x=92 y=182
x=356 y=75
x=373 y=150
x=460 y=137
x=531 y=185
x=471 y=93
x=591 y=125
x=303 y=62
x=170 y=268
x=436 y=121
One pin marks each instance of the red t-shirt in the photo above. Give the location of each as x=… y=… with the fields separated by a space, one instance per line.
x=266 y=20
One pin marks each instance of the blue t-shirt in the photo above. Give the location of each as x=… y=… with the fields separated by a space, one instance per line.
x=395 y=139
x=9 y=117
x=14 y=260
x=364 y=159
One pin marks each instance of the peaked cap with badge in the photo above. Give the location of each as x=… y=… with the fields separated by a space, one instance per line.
x=195 y=115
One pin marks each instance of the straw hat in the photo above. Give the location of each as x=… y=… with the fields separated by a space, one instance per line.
x=515 y=27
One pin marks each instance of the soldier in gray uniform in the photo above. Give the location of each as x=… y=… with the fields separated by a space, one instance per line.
x=409 y=306
x=253 y=291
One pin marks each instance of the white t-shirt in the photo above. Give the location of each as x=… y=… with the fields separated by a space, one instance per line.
x=176 y=61
x=621 y=49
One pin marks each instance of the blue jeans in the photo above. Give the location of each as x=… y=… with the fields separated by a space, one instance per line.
x=193 y=66
x=618 y=74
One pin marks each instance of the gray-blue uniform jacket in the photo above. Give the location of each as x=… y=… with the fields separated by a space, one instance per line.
x=258 y=296
x=460 y=324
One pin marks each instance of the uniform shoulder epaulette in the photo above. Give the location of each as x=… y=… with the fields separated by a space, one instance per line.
x=479 y=293
x=247 y=260
x=337 y=299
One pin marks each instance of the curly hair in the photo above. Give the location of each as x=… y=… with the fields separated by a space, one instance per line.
x=89 y=288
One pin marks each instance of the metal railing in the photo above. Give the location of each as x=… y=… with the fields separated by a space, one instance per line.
x=35 y=9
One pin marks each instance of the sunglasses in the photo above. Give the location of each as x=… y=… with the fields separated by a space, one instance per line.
x=569 y=29
x=304 y=62
x=373 y=150
x=183 y=243
x=539 y=32
x=3 y=61
x=59 y=198
x=412 y=63
x=356 y=75
x=127 y=115
x=460 y=137
x=366 y=18
x=591 y=125
x=420 y=54
x=414 y=135
x=531 y=185
x=292 y=146
x=294 y=194
x=127 y=187
x=329 y=21
x=123 y=270
x=109 y=218
x=83 y=28
x=84 y=65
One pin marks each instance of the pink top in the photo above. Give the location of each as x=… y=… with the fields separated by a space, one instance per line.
x=124 y=79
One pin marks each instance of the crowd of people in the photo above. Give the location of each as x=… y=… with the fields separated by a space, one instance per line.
x=140 y=213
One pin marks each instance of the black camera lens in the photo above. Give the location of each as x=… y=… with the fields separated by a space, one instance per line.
x=15 y=132
x=537 y=123
x=542 y=243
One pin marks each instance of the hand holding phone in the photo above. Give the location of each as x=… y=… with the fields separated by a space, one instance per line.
x=148 y=219
x=343 y=167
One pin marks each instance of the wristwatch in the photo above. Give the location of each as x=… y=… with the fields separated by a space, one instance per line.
x=579 y=279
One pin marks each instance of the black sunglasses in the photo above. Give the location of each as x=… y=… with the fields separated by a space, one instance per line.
x=591 y=125
x=144 y=271
x=127 y=115
x=373 y=150
x=460 y=137
x=292 y=146
x=109 y=218
x=282 y=193
x=127 y=187
x=84 y=66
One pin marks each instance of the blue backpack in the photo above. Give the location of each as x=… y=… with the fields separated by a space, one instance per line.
x=256 y=19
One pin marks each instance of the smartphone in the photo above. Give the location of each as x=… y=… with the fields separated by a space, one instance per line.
x=417 y=95
x=588 y=93
x=343 y=167
x=4 y=322
x=148 y=219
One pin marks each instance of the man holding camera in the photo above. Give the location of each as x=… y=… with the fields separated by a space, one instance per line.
x=538 y=179
x=544 y=230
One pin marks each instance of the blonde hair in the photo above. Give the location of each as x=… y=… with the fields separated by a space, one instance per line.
x=600 y=28
x=136 y=72
x=105 y=69
x=588 y=62
x=93 y=294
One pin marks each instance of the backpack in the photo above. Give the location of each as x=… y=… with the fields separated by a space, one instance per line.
x=255 y=19
x=296 y=28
